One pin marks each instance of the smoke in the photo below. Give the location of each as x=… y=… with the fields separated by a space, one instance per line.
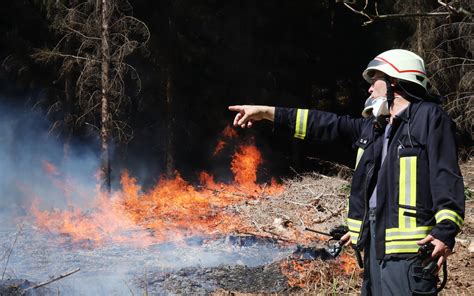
x=40 y=167
x=36 y=164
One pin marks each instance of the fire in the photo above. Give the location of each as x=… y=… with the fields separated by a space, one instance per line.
x=320 y=273
x=219 y=147
x=244 y=165
x=175 y=206
x=229 y=132
x=50 y=168
x=297 y=272
x=172 y=209
x=348 y=263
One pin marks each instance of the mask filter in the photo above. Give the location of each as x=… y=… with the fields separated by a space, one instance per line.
x=376 y=107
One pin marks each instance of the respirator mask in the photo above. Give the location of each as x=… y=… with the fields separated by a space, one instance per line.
x=376 y=107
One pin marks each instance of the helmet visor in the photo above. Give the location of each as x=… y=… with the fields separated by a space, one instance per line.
x=375 y=63
x=371 y=69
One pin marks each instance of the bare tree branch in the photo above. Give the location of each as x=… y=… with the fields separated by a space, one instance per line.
x=372 y=17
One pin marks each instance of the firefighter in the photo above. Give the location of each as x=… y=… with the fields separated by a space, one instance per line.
x=407 y=190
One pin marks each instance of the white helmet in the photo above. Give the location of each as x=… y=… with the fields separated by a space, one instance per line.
x=401 y=64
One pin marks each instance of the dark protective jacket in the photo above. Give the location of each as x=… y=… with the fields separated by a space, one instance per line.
x=419 y=185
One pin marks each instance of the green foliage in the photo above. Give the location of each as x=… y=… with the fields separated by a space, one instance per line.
x=346 y=188
x=467 y=193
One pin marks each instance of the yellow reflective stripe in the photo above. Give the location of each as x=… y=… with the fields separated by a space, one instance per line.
x=354 y=236
x=360 y=151
x=449 y=215
x=301 y=122
x=407 y=191
x=354 y=229
x=354 y=224
x=402 y=179
x=392 y=234
x=412 y=201
x=401 y=247
x=407 y=222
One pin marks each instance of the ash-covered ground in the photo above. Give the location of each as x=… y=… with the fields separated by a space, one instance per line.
x=119 y=269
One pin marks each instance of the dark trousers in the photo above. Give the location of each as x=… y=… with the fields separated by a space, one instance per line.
x=395 y=276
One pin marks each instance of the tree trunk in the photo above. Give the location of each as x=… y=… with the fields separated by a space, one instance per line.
x=419 y=45
x=105 y=114
x=170 y=126
x=172 y=40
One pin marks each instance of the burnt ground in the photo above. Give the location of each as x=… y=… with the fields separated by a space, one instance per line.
x=287 y=276
x=22 y=287
x=238 y=278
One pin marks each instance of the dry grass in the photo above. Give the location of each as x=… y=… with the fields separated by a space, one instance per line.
x=319 y=202
x=315 y=201
x=310 y=200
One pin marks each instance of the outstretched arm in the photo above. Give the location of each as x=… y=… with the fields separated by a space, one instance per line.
x=247 y=114
x=302 y=123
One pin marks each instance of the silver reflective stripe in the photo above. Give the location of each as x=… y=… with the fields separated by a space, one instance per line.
x=407 y=181
x=417 y=233
x=400 y=248
x=360 y=151
x=450 y=215
x=354 y=225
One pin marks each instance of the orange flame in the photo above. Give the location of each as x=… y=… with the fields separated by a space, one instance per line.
x=304 y=273
x=219 y=147
x=50 y=168
x=229 y=132
x=348 y=263
x=170 y=210
x=244 y=165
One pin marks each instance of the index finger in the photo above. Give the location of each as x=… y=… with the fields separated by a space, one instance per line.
x=237 y=108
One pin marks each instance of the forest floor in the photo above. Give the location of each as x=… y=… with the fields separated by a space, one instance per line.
x=311 y=201
x=319 y=202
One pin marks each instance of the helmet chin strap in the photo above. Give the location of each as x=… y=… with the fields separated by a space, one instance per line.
x=390 y=93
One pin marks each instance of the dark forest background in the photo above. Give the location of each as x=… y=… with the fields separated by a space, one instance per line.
x=205 y=55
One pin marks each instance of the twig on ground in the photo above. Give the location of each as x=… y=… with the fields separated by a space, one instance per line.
x=131 y=292
x=217 y=192
x=262 y=194
x=52 y=280
x=277 y=236
x=11 y=250
x=146 y=284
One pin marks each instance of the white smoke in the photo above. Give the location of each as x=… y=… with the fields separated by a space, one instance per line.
x=26 y=145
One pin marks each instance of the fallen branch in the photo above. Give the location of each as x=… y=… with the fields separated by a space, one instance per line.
x=52 y=280
x=217 y=192
x=277 y=236
x=11 y=250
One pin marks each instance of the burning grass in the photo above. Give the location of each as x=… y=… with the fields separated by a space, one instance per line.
x=318 y=277
x=171 y=210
